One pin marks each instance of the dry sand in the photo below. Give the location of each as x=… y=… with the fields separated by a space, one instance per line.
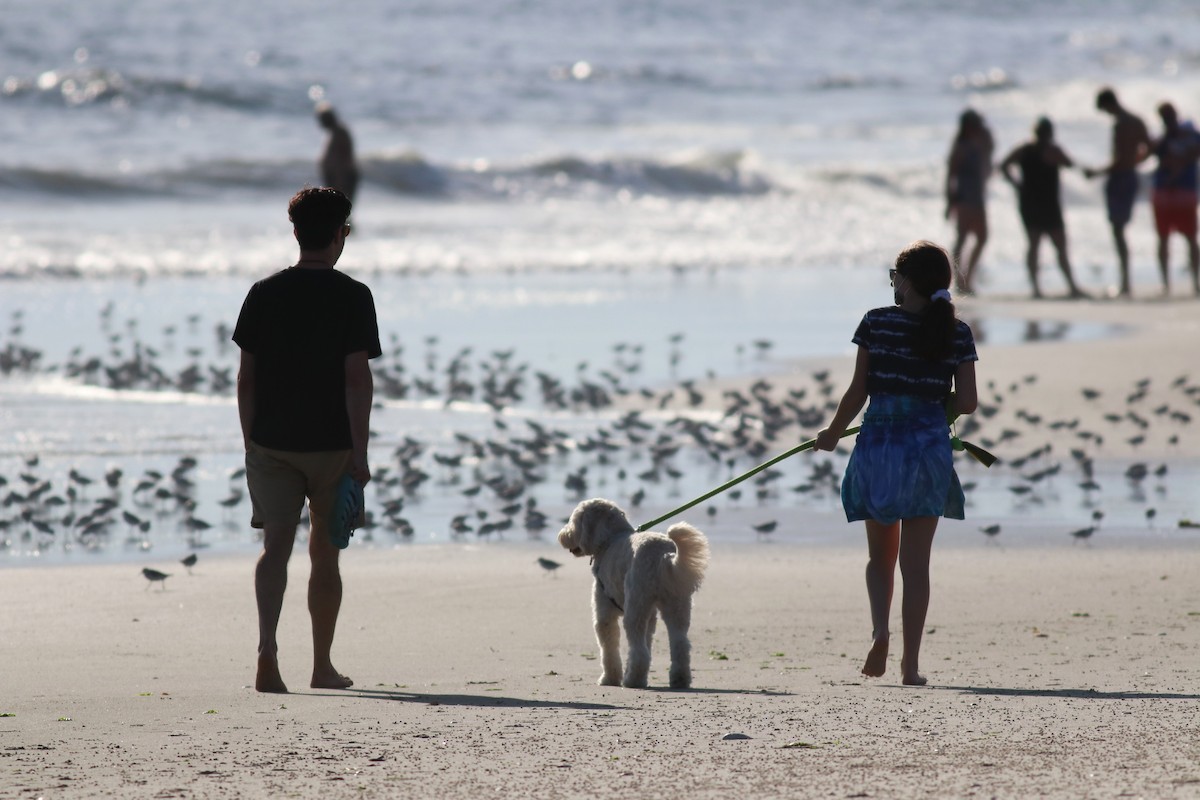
x=1056 y=669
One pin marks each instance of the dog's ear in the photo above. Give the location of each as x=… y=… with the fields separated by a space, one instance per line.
x=567 y=537
x=583 y=523
x=574 y=535
x=577 y=535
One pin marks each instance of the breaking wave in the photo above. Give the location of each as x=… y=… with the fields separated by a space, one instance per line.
x=409 y=173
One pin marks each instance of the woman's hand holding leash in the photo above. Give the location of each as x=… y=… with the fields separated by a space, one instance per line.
x=827 y=440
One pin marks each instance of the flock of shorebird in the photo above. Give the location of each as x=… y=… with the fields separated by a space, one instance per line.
x=634 y=442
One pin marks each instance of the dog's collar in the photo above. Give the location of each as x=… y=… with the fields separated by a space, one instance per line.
x=600 y=583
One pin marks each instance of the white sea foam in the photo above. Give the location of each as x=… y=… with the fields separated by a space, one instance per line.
x=809 y=134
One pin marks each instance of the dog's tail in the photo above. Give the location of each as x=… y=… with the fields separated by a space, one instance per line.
x=691 y=557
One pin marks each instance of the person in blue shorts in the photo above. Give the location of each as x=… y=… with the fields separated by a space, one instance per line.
x=1131 y=146
x=916 y=365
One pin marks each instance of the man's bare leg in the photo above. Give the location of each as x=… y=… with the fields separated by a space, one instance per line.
x=1194 y=262
x=270 y=582
x=883 y=543
x=1164 y=259
x=324 y=603
x=1059 y=239
x=916 y=542
x=1122 y=259
x=1031 y=262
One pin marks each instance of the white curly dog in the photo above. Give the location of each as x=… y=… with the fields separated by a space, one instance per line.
x=638 y=575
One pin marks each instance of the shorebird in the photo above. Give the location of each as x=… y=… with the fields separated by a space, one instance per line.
x=235 y=497
x=153 y=575
x=991 y=530
x=548 y=565
x=1084 y=533
x=764 y=528
x=188 y=561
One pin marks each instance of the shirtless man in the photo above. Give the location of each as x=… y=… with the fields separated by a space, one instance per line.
x=338 y=168
x=1175 y=184
x=1131 y=146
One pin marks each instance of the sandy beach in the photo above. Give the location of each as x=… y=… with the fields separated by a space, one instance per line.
x=1061 y=672
x=616 y=250
x=1057 y=667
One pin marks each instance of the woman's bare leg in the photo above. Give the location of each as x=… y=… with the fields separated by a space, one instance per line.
x=916 y=542
x=883 y=545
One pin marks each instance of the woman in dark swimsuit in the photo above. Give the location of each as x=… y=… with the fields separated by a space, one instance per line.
x=967 y=170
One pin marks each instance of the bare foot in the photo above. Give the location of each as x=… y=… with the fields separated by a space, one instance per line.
x=330 y=680
x=912 y=678
x=876 y=663
x=268 y=678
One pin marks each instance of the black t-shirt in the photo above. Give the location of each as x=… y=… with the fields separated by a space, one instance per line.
x=300 y=324
x=1039 y=179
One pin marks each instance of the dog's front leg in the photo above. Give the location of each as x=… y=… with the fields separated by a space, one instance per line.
x=607 y=619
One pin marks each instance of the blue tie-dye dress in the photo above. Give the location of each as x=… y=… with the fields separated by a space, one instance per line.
x=902 y=464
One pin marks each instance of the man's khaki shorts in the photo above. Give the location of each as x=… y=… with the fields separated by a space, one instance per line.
x=280 y=480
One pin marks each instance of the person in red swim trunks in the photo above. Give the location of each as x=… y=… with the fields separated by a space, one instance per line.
x=1175 y=183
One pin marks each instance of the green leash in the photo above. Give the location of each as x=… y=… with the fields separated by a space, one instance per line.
x=976 y=452
x=800 y=448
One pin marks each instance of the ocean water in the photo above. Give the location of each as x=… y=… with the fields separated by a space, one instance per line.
x=660 y=191
x=554 y=133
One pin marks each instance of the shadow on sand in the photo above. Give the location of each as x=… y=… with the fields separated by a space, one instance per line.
x=1068 y=694
x=479 y=700
x=500 y=701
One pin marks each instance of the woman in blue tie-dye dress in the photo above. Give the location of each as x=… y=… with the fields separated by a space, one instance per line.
x=916 y=364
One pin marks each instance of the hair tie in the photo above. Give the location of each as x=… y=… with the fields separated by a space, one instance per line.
x=940 y=294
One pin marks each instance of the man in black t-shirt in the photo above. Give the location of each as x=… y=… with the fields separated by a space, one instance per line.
x=1039 y=199
x=304 y=398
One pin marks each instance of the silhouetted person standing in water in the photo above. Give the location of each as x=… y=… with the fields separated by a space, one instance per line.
x=1039 y=199
x=1130 y=147
x=1175 y=182
x=967 y=171
x=338 y=168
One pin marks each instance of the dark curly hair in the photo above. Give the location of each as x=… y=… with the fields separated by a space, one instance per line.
x=317 y=212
